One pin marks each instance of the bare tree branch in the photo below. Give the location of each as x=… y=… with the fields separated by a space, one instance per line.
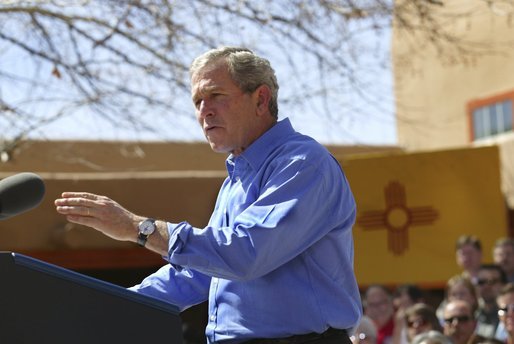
x=126 y=62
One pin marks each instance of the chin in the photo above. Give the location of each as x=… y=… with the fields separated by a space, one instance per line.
x=218 y=149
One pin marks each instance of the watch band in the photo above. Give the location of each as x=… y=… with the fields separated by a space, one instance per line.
x=142 y=239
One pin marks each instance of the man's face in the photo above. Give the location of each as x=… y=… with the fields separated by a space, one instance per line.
x=402 y=301
x=416 y=324
x=504 y=257
x=459 y=323
x=379 y=306
x=488 y=285
x=226 y=114
x=468 y=257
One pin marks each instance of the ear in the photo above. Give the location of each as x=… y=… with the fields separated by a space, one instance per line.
x=263 y=97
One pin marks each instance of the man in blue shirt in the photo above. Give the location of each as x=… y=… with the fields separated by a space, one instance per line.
x=276 y=258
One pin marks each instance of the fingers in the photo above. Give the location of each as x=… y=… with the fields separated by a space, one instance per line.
x=78 y=198
x=98 y=212
x=85 y=195
x=77 y=204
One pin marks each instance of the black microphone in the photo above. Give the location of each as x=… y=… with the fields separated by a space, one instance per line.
x=19 y=193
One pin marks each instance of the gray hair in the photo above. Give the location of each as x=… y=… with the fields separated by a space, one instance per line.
x=248 y=70
x=431 y=337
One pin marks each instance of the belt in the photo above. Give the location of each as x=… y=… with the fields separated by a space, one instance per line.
x=301 y=338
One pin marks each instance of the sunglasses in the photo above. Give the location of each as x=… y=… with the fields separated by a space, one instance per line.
x=459 y=318
x=484 y=281
x=416 y=323
x=502 y=311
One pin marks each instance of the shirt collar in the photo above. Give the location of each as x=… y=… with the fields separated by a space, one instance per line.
x=255 y=154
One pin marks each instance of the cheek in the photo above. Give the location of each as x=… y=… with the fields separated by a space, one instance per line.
x=508 y=319
x=425 y=328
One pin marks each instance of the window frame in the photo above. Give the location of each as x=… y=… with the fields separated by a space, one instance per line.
x=488 y=101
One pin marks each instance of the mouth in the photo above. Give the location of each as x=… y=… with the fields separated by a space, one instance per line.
x=209 y=128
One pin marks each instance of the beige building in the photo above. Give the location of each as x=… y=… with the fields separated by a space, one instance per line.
x=459 y=93
x=447 y=98
x=164 y=180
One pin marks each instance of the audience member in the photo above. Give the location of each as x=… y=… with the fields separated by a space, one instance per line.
x=459 y=287
x=478 y=307
x=468 y=254
x=503 y=255
x=482 y=340
x=490 y=279
x=431 y=337
x=459 y=321
x=505 y=302
x=378 y=305
x=420 y=318
x=365 y=332
x=407 y=295
x=404 y=297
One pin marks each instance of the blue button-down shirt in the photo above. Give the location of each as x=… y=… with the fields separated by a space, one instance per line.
x=276 y=258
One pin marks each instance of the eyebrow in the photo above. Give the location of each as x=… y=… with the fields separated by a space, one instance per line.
x=202 y=90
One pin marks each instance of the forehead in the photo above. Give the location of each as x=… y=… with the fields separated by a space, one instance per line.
x=459 y=286
x=415 y=316
x=468 y=248
x=504 y=248
x=506 y=299
x=377 y=294
x=488 y=273
x=459 y=308
x=211 y=77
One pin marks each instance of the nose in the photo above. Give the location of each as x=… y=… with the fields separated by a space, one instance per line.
x=204 y=109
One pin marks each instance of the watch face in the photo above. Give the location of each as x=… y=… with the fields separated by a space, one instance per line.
x=147 y=227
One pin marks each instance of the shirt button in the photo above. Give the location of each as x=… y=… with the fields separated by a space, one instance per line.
x=213 y=317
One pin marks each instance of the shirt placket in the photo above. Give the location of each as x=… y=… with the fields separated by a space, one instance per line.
x=224 y=221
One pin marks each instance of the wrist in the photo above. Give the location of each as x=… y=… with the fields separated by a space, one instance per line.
x=145 y=228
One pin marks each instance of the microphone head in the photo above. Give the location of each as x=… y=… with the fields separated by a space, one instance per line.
x=20 y=193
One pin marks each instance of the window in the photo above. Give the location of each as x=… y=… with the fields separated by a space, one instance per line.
x=491 y=116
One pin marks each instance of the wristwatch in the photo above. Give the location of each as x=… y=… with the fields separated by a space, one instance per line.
x=145 y=228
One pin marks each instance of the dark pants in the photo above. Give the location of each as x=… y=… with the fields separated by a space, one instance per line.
x=330 y=336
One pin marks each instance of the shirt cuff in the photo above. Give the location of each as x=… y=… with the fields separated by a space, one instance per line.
x=176 y=242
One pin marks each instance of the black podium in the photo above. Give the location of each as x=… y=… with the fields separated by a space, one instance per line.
x=44 y=303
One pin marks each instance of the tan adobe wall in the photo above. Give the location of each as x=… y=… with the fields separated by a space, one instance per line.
x=432 y=93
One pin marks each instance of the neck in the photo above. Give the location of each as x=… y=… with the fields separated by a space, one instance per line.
x=264 y=127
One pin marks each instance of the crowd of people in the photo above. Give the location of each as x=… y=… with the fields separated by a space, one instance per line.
x=478 y=304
